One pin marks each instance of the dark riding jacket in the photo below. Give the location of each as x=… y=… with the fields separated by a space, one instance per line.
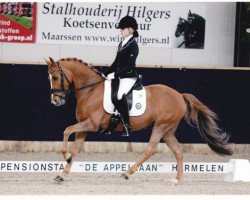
x=124 y=64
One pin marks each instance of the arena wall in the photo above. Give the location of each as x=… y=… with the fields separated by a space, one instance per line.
x=27 y=114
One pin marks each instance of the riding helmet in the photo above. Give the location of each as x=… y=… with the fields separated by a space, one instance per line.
x=129 y=22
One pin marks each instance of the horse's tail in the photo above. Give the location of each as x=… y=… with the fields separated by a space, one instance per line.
x=204 y=119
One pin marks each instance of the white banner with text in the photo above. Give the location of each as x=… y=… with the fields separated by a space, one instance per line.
x=148 y=167
x=169 y=25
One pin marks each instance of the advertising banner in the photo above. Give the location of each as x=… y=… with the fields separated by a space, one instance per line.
x=18 y=22
x=113 y=167
x=169 y=25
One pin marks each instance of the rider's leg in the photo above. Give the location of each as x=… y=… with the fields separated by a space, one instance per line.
x=123 y=110
x=115 y=86
x=124 y=87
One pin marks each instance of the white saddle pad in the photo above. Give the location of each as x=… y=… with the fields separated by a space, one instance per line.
x=138 y=105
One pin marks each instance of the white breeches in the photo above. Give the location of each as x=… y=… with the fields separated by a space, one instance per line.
x=125 y=85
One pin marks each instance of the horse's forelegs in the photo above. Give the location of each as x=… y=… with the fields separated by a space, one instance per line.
x=84 y=126
x=173 y=144
x=157 y=134
x=79 y=138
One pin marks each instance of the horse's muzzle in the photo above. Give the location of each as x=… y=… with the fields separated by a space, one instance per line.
x=58 y=100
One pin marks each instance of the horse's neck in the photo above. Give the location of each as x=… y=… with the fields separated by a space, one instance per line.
x=82 y=77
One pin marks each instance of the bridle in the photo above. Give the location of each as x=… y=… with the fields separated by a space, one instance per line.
x=57 y=91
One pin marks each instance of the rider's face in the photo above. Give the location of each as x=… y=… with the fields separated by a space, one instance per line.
x=126 y=32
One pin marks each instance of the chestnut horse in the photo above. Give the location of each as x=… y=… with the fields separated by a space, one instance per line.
x=165 y=108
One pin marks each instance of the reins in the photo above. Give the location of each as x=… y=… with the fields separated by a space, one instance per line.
x=86 y=86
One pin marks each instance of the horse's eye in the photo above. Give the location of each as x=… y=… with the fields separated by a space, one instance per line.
x=54 y=78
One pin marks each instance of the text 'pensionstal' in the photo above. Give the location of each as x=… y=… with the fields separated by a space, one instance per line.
x=101 y=11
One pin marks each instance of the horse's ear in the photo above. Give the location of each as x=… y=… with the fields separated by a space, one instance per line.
x=189 y=12
x=53 y=63
x=48 y=62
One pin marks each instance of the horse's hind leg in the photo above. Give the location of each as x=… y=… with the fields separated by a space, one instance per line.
x=170 y=139
x=157 y=133
x=79 y=139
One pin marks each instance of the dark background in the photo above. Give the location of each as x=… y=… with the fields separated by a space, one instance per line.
x=242 y=38
x=27 y=114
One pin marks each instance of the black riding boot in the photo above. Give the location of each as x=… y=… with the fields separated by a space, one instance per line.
x=123 y=110
x=113 y=122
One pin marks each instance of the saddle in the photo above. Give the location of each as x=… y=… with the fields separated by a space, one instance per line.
x=136 y=99
x=137 y=87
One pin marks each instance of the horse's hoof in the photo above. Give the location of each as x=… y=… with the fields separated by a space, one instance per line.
x=59 y=179
x=174 y=181
x=124 y=176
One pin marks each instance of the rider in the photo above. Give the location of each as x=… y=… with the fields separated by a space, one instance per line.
x=122 y=71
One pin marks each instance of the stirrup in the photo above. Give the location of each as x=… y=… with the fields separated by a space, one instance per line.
x=106 y=132
x=127 y=130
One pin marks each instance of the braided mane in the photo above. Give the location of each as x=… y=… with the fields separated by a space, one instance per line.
x=81 y=62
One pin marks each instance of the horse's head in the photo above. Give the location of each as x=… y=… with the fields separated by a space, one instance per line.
x=191 y=17
x=59 y=82
x=181 y=27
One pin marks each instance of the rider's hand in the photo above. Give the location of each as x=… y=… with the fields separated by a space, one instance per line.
x=111 y=76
